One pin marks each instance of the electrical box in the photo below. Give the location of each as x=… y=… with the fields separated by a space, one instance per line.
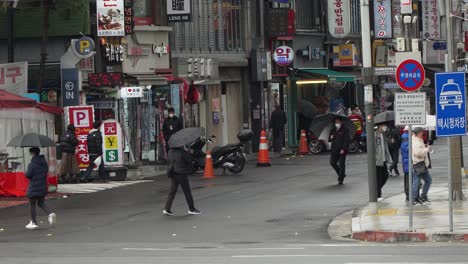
x=400 y=44
x=415 y=44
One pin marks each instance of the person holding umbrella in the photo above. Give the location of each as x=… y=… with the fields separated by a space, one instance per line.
x=382 y=157
x=180 y=166
x=340 y=140
x=37 y=189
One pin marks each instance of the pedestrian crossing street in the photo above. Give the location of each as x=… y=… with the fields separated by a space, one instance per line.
x=94 y=187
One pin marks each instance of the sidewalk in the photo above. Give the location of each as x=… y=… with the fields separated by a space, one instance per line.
x=430 y=221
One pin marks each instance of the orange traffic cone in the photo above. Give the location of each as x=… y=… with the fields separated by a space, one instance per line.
x=263 y=158
x=209 y=171
x=303 y=149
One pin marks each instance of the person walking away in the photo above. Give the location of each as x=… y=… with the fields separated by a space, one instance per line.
x=69 y=166
x=180 y=163
x=171 y=125
x=382 y=158
x=394 y=142
x=277 y=122
x=420 y=166
x=95 y=151
x=339 y=137
x=303 y=124
x=37 y=189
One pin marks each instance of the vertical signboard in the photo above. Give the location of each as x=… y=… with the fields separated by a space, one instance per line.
x=410 y=109
x=179 y=10
x=82 y=118
x=70 y=87
x=14 y=77
x=339 y=18
x=397 y=25
x=112 y=143
x=431 y=19
x=110 y=18
x=383 y=18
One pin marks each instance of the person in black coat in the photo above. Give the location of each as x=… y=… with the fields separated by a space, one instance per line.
x=37 y=189
x=339 y=137
x=69 y=166
x=394 y=142
x=180 y=164
x=94 y=141
x=171 y=125
x=277 y=122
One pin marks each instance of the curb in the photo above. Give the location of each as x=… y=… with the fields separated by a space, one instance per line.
x=394 y=237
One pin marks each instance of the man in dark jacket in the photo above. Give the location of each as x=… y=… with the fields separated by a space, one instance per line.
x=69 y=166
x=94 y=141
x=277 y=122
x=339 y=137
x=171 y=125
x=394 y=143
x=37 y=189
x=181 y=162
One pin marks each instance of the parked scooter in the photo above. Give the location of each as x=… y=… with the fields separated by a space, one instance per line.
x=230 y=157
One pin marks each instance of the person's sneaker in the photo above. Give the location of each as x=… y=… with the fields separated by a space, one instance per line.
x=194 y=212
x=168 y=212
x=380 y=199
x=425 y=200
x=31 y=226
x=417 y=202
x=52 y=219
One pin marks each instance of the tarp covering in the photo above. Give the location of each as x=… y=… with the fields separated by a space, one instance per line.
x=10 y=100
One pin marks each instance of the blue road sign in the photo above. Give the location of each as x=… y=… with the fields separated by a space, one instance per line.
x=450 y=104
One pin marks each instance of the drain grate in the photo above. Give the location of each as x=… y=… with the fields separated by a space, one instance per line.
x=384 y=212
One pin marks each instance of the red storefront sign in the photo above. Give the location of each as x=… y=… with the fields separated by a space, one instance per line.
x=82 y=118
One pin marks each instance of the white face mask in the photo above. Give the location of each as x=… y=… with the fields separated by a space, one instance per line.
x=337 y=125
x=384 y=129
x=171 y=115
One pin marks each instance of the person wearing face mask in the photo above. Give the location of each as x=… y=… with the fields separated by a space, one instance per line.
x=171 y=125
x=382 y=157
x=339 y=137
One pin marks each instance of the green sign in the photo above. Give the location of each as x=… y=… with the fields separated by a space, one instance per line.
x=112 y=155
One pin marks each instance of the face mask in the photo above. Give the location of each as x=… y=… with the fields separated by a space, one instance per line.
x=337 y=125
x=384 y=129
x=171 y=115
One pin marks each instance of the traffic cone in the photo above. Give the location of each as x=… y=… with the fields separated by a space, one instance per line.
x=209 y=171
x=263 y=158
x=303 y=149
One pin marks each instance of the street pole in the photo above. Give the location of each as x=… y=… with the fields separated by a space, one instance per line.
x=10 y=32
x=262 y=47
x=452 y=142
x=369 y=104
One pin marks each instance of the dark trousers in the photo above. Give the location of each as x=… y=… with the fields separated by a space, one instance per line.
x=382 y=177
x=41 y=203
x=89 y=170
x=278 y=138
x=395 y=153
x=182 y=180
x=338 y=162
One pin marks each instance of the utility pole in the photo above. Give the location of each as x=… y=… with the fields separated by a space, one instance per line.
x=369 y=103
x=262 y=48
x=10 y=31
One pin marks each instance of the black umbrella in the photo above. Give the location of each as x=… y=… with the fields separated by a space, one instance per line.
x=319 y=123
x=31 y=140
x=384 y=117
x=186 y=137
x=308 y=109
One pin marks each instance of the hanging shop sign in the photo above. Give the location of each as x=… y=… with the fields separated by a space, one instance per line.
x=14 y=77
x=106 y=79
x=283 y=55
x=110 y=18
x=160 y=49
x=339 y=18
x=84 y=47
x=179 y=10
x=131 y=92
x=129 y=14
x=406 y=6
x=382 y=19
x=281 y=22
x=82 y=118
x=49 y=96
x=112 y=143
x=114 y=52
x=347 y=55
x=431 y=19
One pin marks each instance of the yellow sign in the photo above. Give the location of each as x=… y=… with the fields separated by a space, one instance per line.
x=111 y=142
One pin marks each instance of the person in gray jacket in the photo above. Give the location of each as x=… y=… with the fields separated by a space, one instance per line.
x=180 y=167
x=382 y=157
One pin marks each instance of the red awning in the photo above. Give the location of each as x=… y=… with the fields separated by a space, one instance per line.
x=10 y=100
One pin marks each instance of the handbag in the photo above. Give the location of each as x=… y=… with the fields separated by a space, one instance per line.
x=420 y=168
x=98 y=161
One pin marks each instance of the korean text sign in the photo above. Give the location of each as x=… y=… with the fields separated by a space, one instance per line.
x=110 y=18
x=450 y=104
x=82 y=118
x=14 y=77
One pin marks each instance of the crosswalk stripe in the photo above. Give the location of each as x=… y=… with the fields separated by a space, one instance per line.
x=80 y=188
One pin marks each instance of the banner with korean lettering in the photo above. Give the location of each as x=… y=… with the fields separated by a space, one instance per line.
x=431 y=19
x=14 y=77
x=82 y=117
x=339 y=18
x=383 y=18
x=110 y=18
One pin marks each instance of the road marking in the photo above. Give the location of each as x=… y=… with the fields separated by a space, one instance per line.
x=208 y=248
x=305 y=256
x=94 y=187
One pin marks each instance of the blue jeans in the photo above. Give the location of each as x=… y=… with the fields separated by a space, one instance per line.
x=416 y=184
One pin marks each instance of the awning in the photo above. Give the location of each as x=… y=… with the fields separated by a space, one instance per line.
x=331 y=75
